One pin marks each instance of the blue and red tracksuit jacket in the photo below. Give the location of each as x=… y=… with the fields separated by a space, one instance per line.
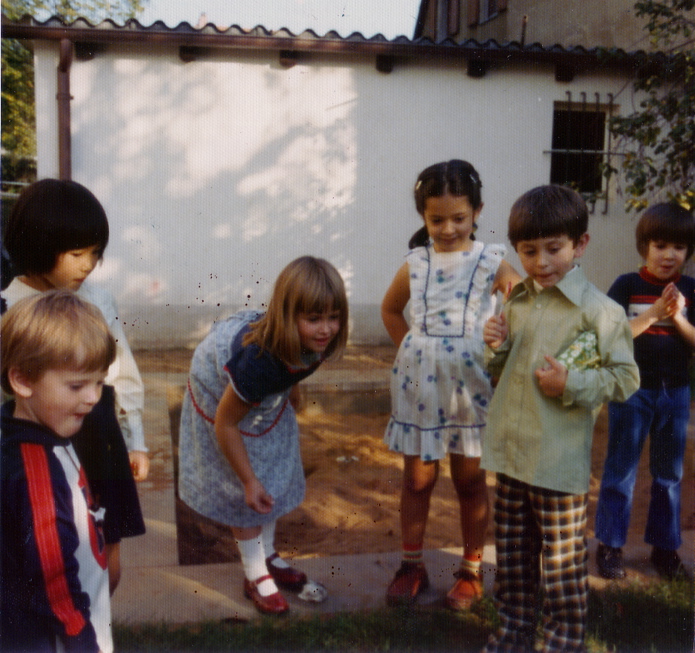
x=42 y=598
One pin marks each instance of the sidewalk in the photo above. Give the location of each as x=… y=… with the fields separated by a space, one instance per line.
x=154 y=588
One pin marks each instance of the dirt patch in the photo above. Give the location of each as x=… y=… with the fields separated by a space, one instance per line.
x=353 y=482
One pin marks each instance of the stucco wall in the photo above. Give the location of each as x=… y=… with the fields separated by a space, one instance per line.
x=216 y=173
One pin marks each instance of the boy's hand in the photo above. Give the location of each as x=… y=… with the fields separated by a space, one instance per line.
x=552 y=378
x=495 y=331
x=670 y=303
x=674 y=300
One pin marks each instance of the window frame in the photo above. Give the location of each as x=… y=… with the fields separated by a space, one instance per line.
x=589 y=147
x=477 y=16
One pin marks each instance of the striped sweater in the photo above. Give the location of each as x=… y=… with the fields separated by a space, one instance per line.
x=661 y=354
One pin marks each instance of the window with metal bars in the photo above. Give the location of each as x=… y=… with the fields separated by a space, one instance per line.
x=580 y=144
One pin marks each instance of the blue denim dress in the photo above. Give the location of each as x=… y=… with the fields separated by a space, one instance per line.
x=207 y=482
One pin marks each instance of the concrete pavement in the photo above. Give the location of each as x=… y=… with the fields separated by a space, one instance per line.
x=154 y=588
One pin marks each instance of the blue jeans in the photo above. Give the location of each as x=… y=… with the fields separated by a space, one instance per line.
x=663 y=414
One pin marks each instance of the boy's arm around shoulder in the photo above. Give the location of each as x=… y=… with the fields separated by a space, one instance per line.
x=617 y=376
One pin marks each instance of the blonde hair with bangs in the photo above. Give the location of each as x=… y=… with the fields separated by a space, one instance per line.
x=55 y=330
x=306 y=285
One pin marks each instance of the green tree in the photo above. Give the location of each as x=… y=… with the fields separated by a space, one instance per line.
x=94 y=10
x=18 y=106
x=658 y=139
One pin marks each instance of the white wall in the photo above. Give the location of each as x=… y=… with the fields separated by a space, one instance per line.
x=216 y=173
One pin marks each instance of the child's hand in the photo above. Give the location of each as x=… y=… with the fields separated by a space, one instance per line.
x=552 y=378
x=257 y=498
x=139 y=464
x=670 y=303
x=674 y=300
x=495 y=331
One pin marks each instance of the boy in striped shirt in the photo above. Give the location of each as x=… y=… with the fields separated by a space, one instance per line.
x=660 y=305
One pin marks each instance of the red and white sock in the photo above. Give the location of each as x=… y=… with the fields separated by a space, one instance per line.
x=413 y=555
x=471 y=564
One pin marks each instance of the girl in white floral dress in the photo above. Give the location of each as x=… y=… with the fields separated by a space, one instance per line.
x=440 y=389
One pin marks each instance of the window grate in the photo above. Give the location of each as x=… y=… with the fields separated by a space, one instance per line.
x=580 y=146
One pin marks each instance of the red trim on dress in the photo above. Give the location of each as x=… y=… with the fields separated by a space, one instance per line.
x=211 y=420
x=45 y=521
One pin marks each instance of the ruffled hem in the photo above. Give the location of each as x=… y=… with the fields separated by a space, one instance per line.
x=433 y=444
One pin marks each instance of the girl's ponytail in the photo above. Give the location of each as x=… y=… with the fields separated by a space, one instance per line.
x=419 y=239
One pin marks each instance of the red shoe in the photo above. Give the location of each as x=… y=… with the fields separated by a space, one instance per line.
x=467 y=589
x=288 y=578
x=273 y=604
x=410 y=580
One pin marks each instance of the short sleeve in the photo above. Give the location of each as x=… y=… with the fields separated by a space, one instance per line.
x=492 y=256
x=253 y=373
x=488 y=264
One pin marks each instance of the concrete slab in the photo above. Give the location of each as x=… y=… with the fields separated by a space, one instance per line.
x=188 y=594
x=154 y=588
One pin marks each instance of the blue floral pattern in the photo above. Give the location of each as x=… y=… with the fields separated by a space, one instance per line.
x=440 y=389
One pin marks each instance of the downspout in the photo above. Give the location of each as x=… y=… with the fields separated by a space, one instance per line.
x=63 y=97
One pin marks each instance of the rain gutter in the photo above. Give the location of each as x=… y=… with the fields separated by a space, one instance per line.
x=194 y=42
x=64 y=123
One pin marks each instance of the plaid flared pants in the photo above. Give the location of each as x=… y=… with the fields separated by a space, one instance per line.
x=542 y=561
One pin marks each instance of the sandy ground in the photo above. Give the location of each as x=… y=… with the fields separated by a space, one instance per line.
x=353 y=481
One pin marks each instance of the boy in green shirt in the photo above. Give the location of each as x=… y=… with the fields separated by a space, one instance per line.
x=541 y=419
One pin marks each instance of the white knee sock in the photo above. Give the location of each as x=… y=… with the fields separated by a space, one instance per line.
x=268 y=538
x=253 y=561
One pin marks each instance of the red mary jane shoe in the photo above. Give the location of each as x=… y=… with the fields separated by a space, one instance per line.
x=288 y=578
x=273 y=604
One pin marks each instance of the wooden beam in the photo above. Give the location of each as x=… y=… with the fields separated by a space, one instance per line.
x=384 y=63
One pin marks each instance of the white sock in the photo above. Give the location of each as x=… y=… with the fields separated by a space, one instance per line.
x=253 y=561
x=268 y=538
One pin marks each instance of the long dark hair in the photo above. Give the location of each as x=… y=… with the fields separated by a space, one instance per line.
x=455 y=177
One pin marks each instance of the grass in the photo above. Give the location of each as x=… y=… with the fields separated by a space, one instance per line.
x=657 y=617
x=650 y=618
